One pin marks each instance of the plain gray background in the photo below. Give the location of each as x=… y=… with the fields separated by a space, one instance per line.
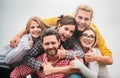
x=15 y=13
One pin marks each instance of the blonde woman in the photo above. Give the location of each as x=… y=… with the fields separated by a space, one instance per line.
x=15 y=55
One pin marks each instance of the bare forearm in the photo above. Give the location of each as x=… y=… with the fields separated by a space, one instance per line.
x=108 y=60
x=65 y=70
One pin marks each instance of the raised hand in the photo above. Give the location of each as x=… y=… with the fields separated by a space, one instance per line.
x=48 y=69
x=90 y=56
x=30 y=42
x=76 y=63
x=61 y=52
x=14 y=42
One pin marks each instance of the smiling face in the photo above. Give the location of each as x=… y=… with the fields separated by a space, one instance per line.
x=34 y=29
x=50 y=45
x=87 y=39
x=66 y=32
x=83 y=19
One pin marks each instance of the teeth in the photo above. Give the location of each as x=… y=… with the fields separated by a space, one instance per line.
x=86 y=42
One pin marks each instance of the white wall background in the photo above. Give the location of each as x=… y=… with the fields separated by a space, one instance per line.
x=15 y=13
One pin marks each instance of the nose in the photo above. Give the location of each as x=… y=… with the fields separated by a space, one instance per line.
x=68 y=33
x=82 y=21
x=36 y=28
x=50 y=46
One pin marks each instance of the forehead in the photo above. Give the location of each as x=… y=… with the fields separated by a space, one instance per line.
x=33 y=22
x=90 y=32
x=50 y=38
x=83 y=12
x=70 y=27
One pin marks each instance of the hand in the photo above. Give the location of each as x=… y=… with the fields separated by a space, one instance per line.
x=30 y=43
x=14 y=42
x=90 y=56
x=76 y=63
x=47 y=68
x=61 y=52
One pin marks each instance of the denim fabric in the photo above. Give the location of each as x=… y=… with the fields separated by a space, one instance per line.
x=75 y=75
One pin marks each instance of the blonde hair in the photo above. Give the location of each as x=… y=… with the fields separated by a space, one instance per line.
x=85 y=8
x=38 y=20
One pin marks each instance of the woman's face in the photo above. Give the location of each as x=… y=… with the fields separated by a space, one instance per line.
x=66 y=32
x=35 y=29
x=87 y=39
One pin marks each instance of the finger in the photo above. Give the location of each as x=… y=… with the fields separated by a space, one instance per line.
x=90 y=49
x=28 y=38
x=12 y=44
x=74 y=57
x=61 y=47
x=45 y=61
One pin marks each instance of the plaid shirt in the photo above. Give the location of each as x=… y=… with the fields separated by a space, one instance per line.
x=23 y=70
x=37 y=49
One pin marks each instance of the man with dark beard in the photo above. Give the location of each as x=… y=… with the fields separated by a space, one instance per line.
x=50 y=41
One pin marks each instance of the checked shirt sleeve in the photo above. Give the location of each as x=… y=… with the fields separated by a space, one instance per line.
x=76 y=49
x=30 y=57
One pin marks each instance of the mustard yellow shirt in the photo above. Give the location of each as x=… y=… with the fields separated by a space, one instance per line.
x=100 y=41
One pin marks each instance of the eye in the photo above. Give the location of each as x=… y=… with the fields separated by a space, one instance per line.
x=84 y=35
x=53 y=43
x=66 y=29
x=79 y=17
x=72 y=32
x=32 y=27
x=86 y=19
x=92 y=36
x=46 y=43
x=38 y=26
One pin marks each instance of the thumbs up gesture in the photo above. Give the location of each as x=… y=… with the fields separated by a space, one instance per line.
x=61 y=52
x=30 y=42
x=90 y=56
x=47 y=68
x=76 y=63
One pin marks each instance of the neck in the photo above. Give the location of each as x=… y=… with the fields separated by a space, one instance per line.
x=53 y=59
x=85 y=49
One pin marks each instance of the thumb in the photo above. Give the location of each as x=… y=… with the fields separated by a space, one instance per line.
x=74 y=57
x=90 y=50
x=61 y=47
x=45 y=61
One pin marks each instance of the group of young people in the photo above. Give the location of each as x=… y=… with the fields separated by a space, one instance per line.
x=72 y=49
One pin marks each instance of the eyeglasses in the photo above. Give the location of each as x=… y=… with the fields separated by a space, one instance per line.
x=92 y=37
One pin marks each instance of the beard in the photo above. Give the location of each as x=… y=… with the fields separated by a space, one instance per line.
x=51 y=51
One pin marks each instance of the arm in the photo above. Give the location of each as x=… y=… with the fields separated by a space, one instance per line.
x=96 y=56
x=107 y=55
x=14 y=42
x=17 y=54
x=51 y=21
x=29 y=58
x=48 y=69
x=75 y=47
x=88 y=73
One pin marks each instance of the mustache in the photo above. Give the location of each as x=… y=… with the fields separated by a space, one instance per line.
x=51 y=49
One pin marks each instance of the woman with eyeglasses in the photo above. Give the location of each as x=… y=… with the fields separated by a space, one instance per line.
x=92 y=68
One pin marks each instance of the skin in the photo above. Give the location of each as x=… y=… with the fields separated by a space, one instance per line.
x=87 y=39
x=66 y=31
x=83 y=19
x=35 y=29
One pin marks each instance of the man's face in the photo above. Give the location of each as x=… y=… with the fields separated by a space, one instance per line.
x=66 y=32
x=50 y=45
x=83 y=19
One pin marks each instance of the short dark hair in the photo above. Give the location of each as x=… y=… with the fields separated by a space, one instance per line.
x=49 y=31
